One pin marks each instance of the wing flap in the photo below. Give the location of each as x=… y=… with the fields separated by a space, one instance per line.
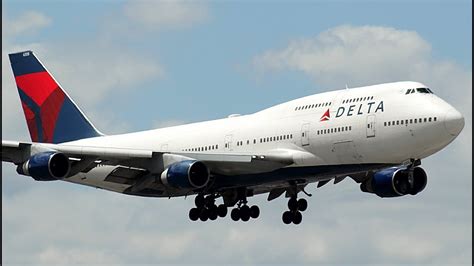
x=15 y=152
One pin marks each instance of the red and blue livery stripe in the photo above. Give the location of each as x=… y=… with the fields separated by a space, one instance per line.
x=51 y=116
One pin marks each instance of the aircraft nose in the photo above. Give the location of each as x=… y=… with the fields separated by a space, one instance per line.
x=454 y=122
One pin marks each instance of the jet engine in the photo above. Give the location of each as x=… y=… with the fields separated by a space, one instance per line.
x=186 y=174
x=46 y=166
x=395 y=182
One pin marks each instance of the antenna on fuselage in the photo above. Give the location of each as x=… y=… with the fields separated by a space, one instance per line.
x=347 y=87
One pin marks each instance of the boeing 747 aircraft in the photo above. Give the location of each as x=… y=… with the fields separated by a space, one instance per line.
x=376 y=135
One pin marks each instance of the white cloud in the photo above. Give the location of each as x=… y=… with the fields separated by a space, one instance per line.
x=167 y=123
x=168 y=14
x=353 y=55
x=28 y=22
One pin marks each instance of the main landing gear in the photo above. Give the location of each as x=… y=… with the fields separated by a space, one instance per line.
x=244 y=212
x=207 y=209
x=295 y=207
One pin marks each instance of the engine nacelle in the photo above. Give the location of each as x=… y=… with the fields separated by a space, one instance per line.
x=186 y=174
x=395 y=182
x=46 y=166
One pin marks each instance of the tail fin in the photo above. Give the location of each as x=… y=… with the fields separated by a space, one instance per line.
x=52 y=116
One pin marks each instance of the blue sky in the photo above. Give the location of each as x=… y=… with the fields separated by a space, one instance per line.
x=138 y=65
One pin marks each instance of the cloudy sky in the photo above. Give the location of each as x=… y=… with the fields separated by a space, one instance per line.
x=136 y=65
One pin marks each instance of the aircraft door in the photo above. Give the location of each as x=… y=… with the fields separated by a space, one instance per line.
x=305 y=134
x=371 y=126
x=228 y=143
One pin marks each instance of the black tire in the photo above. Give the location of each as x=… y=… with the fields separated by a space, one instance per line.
x=204 y=215
x=212 y=208
x=213 y=214
x=245 y=213
x=302 y=205
x=254 y=211
x=194 y=214
x=199 y=201
x=293 y=204
x=297 y=218
x=287 y=217
x=222 y=210
x=235 y=214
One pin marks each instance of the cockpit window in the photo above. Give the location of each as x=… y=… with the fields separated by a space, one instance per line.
x=423 y=90
x=418 y=90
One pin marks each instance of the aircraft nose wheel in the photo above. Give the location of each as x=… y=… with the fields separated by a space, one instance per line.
x=295 y=207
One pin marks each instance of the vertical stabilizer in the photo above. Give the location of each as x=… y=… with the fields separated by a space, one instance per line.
x=51 y=115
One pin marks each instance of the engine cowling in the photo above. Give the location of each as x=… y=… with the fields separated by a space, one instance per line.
x=46 y=166
x=394 y=182
x=186 y=174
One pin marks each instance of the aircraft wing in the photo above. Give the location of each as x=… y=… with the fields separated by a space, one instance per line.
x=85 y=158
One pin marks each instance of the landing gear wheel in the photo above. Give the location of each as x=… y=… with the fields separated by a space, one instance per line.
x=222 y=210
x=213 y=214
x=199 y=201
x=235 y=214
x=254 y=212
x=302 y=205
x=245 y=213
x=287 y=217
x=204 y=215
x=212 y=209
x=293 y=204
x=297 y=217
x=194 y=214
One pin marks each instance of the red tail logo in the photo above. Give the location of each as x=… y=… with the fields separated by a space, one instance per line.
x=325 y=116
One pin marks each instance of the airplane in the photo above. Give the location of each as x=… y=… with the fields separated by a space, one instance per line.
x=376 y=135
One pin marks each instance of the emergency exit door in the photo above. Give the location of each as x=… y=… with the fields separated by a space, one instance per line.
x=371 y=126
x=305 y=134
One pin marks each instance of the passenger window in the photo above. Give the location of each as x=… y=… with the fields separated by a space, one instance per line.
x=401 y=122
x=350 y=127
x=398 y=122
x=429 y=119
x=434 y=119
x=424 y=119
x=415 y=120
x=419 y=120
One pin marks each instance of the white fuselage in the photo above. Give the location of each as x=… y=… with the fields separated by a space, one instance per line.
x=365 y=125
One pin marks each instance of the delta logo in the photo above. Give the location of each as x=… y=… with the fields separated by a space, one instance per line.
x=351 y=110
x=325 y=116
